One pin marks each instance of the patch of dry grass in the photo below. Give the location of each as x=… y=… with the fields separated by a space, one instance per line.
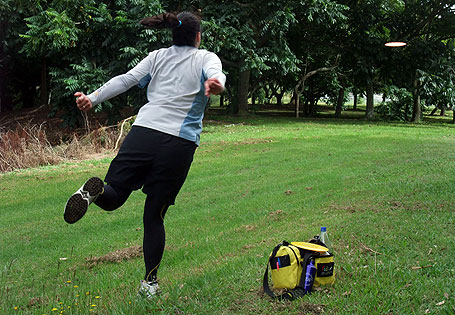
x=28 y=146
x=116 y=256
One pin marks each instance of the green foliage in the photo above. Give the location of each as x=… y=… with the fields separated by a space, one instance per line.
x=276 y=42
x=398 y=106
x=90 y=42
x=49 y=32
x=65 y=82
x=439 y=82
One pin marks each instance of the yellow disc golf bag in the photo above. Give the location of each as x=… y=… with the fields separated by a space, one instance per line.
x=287 y=266
x=288 y=263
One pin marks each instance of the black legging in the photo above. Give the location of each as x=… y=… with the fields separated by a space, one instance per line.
x=154 y=234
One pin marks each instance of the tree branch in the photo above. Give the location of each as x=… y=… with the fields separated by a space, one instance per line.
x=301 y=84
x=427 y=21
x=244 y=5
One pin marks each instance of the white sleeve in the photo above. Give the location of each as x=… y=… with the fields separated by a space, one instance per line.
x=122 y=83
x=213 y=68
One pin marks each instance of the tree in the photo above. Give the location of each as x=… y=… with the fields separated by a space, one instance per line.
x=315 y=41
x=50 y=34
x=86 y=43
x=425 y=25
x=250 y=37
x=18 y=77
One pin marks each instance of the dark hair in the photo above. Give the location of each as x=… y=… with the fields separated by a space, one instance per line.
x=184 y=25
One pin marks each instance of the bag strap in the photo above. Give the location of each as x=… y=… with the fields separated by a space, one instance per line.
x=265 y=282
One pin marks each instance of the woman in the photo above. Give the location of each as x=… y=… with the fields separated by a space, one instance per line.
x=157 y=153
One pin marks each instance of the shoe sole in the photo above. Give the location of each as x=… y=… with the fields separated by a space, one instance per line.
x=77 y=205
x=75 y=209
x=93 y=186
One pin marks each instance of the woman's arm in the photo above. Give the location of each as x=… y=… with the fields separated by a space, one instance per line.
x=114 y=86
x=214 y=71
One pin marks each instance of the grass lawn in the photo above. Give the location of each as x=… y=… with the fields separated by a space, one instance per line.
x=384 y=191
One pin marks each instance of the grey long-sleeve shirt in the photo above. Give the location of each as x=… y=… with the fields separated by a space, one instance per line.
x=175 y=93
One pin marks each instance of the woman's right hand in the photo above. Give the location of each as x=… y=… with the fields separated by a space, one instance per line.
x=213 y=86
x=83 y=102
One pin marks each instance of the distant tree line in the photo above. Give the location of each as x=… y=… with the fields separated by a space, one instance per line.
x=306 y=49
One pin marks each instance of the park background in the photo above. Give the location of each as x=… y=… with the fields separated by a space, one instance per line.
x=321 y=124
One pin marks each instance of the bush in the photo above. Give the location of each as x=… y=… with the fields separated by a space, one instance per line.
x=398 y=107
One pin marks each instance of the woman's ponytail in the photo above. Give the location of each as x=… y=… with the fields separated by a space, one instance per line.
x=184 y=25
x=164 y=20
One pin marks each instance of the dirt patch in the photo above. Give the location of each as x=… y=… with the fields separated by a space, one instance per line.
x=357 y=206
x=36 y=301
x=408 y=206
x=253 y=141
x=246 y=228
x=303 y=308
x=247 y=304
x=116 y=256
x=276 y=215
x=308 y=308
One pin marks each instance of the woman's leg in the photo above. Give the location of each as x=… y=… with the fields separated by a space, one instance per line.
x=113 y=197
x=154 y=235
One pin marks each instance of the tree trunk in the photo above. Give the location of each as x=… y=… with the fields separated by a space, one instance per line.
x=340 y=102
x=5 y=103
x=4 y=106
x=221 y=100
x=292 y=100
x=267 y=94
x=406 y=112
x=44 y=96
x=443 y=111
x=369 y=114
x=297 y=101
x=309 y=101
x=434 y=111
x=355 y=101
x=244 y=83
x=313 y=106
x=306 y=106
x=279 y=98
x=416 y=110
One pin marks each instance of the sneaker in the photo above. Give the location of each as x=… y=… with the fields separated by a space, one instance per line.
x=78 y=203
x=149 y=289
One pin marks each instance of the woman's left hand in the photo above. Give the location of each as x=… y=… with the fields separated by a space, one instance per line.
x=213 y=86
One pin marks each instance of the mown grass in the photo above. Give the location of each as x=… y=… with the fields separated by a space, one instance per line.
x=384 y=191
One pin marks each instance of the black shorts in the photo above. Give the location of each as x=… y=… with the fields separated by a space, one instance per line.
x=152 y=160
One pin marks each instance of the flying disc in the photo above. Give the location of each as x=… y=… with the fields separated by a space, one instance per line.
x=395 y=44
x=311 y=246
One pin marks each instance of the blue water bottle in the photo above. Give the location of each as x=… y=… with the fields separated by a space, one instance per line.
x=309 y=276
